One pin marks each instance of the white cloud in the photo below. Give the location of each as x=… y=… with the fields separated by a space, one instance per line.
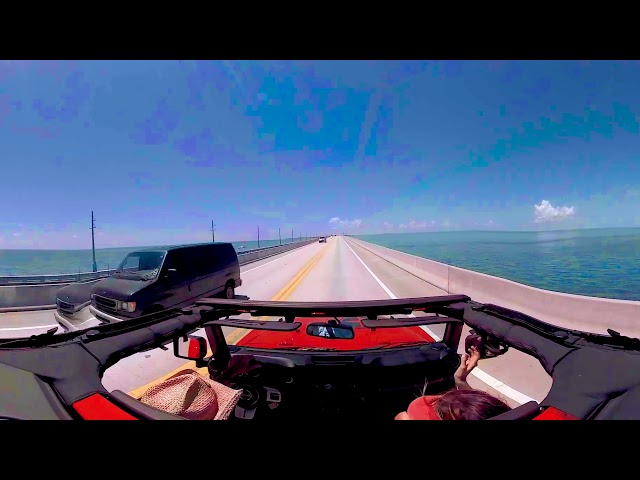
x=414 y=225
x=339 y=222
x=632 y=192
x=545 y=212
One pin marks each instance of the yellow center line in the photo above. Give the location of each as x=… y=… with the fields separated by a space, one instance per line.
x=237 y=334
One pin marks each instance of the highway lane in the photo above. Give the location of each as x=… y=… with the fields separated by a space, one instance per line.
x=515 y=377
x=346 y=271
x=341 y=270
x=263 y=280
x=337 y=270
x=27 y=323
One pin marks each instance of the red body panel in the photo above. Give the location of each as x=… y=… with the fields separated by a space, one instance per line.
x=194 y=349
x=552 y=413
x=96 y=407
x=363 y=337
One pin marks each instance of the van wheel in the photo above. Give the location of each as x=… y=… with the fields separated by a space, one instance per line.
x=229 y=291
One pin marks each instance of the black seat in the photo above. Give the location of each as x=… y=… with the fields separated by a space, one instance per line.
x=526 y=411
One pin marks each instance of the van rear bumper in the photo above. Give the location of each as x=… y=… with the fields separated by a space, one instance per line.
x=238 y=282
x=79 y=321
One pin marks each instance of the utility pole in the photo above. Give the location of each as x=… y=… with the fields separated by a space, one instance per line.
x=93 y=242
x=258 y=236
x=279 y=237
x=292 y=235
x=213 y=232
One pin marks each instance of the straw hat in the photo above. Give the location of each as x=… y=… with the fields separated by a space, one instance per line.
x=192 y=396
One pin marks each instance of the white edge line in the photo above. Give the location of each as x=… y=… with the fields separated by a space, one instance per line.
x=384 y=287
x=2 y=329
x=483 y=376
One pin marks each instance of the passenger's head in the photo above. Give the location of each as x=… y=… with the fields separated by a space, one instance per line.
x=457 y=405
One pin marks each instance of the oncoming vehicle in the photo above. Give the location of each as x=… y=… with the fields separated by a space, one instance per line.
x=322 y=240
x=376 y=359
x=150 y=281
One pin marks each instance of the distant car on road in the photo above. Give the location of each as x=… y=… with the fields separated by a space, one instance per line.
x=150 y=281
x=322 y=240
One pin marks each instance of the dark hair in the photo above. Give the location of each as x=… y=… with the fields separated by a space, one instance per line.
x=469 y=405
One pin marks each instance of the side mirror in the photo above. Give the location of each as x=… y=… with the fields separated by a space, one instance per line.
x=333 y=331
x=190 y=347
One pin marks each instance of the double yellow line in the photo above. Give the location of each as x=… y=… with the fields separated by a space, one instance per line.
x=288 y=289
x=239 y=333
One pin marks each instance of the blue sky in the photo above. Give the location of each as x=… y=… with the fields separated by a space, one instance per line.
x=159 y=149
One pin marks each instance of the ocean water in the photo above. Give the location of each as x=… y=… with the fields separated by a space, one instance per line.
x=44 y=262
x=594 y=262
x=597 y=262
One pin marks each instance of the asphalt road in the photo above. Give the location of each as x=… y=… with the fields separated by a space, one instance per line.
x=336 y=270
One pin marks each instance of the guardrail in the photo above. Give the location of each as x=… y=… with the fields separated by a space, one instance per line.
x=66 y=278
x=580 y=312
x=38 y=292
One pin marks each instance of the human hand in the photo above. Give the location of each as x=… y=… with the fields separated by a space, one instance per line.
x=468 y=363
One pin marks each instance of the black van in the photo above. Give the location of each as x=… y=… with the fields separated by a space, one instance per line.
x=149 y=281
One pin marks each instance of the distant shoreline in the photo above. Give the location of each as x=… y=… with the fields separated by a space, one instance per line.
x=287 y=240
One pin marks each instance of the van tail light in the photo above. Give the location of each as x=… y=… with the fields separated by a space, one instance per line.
x=96 y=407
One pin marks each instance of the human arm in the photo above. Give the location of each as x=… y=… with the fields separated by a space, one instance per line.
x=467 y=364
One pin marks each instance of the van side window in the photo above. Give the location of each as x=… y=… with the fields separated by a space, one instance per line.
x=230 y=255
x=216 y=254
x=197 y=260
x=179 y=260
x=224 y=256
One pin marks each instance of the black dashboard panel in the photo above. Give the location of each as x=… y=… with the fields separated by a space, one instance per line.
x=33 y=400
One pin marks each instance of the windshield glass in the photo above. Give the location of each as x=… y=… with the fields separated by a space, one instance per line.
x=141 y=264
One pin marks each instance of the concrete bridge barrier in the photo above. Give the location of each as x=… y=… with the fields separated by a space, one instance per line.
x=38 y=292
x=580 y=312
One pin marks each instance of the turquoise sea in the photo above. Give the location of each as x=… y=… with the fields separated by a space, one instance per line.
x=43 y=262
x=595 y=262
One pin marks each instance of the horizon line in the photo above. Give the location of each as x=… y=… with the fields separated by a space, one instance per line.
x=346 y=233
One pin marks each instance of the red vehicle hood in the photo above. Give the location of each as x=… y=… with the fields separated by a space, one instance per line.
x=363 y=337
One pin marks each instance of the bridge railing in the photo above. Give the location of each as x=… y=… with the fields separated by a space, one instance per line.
x=39 y=291
x=580 y=312
x=244 y=256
